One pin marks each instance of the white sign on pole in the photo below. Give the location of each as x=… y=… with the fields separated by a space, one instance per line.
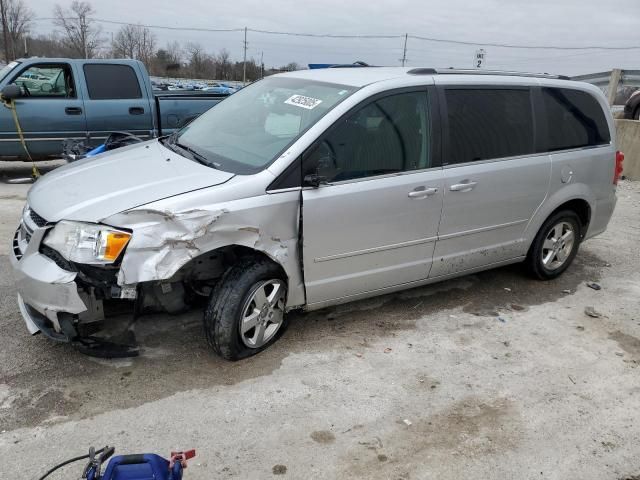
x=480 y=58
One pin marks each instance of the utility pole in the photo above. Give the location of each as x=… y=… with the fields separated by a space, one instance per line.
x=244 y=62
x=262 y=64
x=26 y=50
x=404 y=50
x=5 y=38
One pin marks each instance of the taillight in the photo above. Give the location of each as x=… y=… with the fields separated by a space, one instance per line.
x=618 y=170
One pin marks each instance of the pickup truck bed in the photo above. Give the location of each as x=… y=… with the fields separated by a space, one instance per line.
x=87 y=100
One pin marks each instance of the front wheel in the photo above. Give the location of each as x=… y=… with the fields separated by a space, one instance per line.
x=555 y=245
x=245 y=313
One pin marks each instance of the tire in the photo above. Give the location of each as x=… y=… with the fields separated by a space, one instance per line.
x=636 y=114
x=233 y=306
x=542 y=261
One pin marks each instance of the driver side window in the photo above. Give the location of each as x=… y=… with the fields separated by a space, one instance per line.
x=46 y=81
x=388 y=135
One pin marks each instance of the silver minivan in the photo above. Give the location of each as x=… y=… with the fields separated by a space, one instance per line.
x=314 y=188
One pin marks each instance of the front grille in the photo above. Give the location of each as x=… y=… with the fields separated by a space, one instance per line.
x=37 y=219
x=62 y=262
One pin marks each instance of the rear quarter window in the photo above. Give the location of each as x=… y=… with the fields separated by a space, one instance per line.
x=111 y=82
x=574 y=119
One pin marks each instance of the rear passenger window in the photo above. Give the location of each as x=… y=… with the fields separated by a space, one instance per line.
x=488 y=123
x=111 y=82
x=574 y=120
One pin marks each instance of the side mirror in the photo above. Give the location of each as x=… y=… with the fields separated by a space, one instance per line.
x=313 y=180
x=11 y=92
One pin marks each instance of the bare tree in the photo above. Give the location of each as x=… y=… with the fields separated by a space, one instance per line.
x=201 y=64
x=175 y=52
x=5 y=29
x=225 y=67
x=46 y=46
x=167 y=61
x=79 y=32
x=134 y=41
x=19 y=18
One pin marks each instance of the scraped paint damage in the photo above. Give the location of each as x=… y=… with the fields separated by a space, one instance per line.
x=164 y=241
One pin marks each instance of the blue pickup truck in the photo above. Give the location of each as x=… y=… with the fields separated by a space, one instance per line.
x=61 y=98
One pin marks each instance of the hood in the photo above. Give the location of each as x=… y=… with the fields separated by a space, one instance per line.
x=95 y=188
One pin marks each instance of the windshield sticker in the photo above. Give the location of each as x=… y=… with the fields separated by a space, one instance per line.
x=301 y=101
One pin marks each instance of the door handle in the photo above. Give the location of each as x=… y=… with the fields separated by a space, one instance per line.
x=422 y=192
x=136 y=111
x=73 y=111
x=465 y=186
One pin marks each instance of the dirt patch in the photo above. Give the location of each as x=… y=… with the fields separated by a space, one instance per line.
x=12 y=197
x=323 y=436
x=628 y=343
x=469 y=428
x=519 y=292
x=44 y=404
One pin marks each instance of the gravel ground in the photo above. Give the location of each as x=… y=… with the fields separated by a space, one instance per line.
x=490 y=376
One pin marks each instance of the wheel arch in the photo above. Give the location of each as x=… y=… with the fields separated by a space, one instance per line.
x=222 y=258
x=581 y=207
x=578 y=198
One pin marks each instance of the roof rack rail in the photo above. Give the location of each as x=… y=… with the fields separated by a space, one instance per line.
x=422 y=71
x=462 y=71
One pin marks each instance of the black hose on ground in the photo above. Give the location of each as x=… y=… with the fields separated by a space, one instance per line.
x=67 y=462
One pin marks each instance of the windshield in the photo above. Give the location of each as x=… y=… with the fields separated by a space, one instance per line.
x=7 y=68
x=247 y=131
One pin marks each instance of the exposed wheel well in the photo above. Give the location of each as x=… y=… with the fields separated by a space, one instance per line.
x=213 y=264
x=582 y=209
x=239 y=251
x=197 y=278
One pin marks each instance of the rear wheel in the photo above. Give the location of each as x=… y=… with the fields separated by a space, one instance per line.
x=245 y=313
x=555 y=245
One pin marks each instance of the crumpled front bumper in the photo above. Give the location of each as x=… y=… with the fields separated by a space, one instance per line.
x=45 y=290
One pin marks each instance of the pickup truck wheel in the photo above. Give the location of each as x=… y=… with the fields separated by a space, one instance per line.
x=555 y=245
x=245 y=313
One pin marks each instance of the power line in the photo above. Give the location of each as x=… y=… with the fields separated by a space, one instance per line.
x=531 y=47
x=364 y=36
x=323 y=35
x=159 y=27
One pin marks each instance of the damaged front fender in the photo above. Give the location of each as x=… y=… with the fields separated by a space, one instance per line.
x=166 y=237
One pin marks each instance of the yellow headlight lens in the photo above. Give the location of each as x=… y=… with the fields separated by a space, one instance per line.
x=112 y=244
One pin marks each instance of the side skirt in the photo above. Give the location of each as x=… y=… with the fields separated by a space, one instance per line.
x=405 y=286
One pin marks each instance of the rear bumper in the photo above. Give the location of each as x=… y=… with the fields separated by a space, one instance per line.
x=44 y=289
x=601 y=215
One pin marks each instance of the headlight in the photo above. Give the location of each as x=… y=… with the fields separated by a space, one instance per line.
x=87 y=242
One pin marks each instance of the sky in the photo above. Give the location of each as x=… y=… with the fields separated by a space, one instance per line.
x=565 y=23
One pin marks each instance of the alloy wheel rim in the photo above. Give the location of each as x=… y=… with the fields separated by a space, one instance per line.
x=558 y=245
x=263 y=313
